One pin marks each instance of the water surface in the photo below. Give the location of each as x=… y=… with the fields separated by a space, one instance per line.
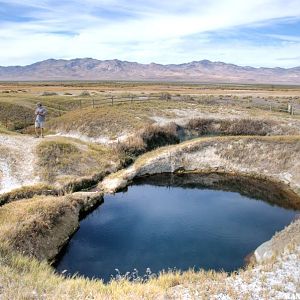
x=169 y=221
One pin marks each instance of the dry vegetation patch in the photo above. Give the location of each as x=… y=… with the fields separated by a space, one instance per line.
x=14 y=116
x=232 y=127
x=67 y=159
x=4 y=130
x=40 y=226
x=26 y=192
x=112 y=121
x=147 y=139
x=26 y=225
x=245 y=126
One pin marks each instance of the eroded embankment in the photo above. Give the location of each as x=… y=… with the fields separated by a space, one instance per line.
x=39 y=227
x=274 y=158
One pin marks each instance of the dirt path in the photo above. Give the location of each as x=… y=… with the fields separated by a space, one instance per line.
x=17 y=161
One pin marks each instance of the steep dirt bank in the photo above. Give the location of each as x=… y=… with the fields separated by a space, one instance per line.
x=40 y=226
x=274 y=158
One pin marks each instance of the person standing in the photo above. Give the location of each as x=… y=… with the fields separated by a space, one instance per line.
x=40 y=116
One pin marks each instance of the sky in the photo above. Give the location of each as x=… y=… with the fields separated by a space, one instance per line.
x=259 y=33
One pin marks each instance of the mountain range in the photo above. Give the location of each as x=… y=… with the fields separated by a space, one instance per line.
x=203 y=71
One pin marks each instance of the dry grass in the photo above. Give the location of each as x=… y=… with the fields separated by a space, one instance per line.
x=147 y=139
x=14 y=116
x=65 y=159
x=155 y=136
x=23 y=222
x=231 y=127
x=27 y=192
x=110 y=121
x=121 y=118
x=285 y=145
x=4 y=130
x=148 y=87
x=39 y=227
x=24 y=278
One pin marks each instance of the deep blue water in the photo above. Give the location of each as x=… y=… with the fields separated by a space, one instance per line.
x=165 y=227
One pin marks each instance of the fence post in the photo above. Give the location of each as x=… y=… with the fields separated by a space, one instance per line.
x=25 y=121
x=112 y=100
x=80 y=103
x=292 y=110
x=289 y=109
x=93 y=103
x=6 y=125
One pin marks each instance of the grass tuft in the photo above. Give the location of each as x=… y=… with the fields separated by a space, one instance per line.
x=67 y=159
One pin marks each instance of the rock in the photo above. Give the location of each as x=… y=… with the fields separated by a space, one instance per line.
x=264 y=252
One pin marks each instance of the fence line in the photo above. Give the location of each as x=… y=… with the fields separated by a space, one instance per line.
x=113 y=100
x=86 y=102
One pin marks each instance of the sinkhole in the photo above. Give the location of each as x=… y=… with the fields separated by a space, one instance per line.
x=181 y=221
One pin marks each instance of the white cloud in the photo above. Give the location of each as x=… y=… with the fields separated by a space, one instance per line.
x=153 y=31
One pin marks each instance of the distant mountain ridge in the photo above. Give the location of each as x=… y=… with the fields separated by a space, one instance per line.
x=196 y=71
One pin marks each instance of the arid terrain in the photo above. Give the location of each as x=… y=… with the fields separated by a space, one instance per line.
x=102 y=135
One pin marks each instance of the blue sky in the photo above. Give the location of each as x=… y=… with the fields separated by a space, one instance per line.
x=245 y=32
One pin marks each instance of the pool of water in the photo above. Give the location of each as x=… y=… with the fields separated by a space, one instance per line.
x=173 y=221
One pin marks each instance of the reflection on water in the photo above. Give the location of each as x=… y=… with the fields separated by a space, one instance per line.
x=274 y=193
x=171 y=221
